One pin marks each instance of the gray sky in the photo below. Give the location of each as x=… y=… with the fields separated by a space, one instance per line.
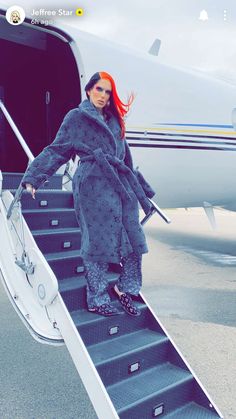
x=205 y=45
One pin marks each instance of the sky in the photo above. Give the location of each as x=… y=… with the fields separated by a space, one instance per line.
x=206 y=45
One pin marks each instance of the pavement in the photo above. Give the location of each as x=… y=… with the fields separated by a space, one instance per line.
x=191 y=288
x=37 y=381
x=189 y=281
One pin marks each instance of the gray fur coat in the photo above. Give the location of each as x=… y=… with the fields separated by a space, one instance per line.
x=106 y=188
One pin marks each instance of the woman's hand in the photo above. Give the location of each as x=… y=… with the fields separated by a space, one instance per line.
x=30 y=189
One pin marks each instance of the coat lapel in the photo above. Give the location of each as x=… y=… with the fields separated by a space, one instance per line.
x=111 y=128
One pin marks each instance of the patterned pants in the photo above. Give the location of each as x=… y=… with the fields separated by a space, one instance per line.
x=130 y=279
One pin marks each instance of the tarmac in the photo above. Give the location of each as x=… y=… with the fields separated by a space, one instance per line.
x=190 y=282
x=191 y=288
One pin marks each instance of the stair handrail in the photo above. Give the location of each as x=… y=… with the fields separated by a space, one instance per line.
x=25 y=148
x=17 y=132
x=154 y=208
x=25 y=263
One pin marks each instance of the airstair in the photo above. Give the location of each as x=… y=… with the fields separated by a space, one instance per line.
x=130 y=366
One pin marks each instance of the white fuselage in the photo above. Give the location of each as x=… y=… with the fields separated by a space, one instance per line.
x=180 y=126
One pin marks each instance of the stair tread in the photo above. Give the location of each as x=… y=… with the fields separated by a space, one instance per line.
x=79 y=281
x=49 y=210
x=192 y=410
x=12 y=180
x=62 y=255
x=83 y=317
x=71 y=283
x=47 y=191
x=50 y=231
x=147 y=383
x=106 y=351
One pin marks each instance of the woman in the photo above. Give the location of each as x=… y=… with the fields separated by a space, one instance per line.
x=106 y=191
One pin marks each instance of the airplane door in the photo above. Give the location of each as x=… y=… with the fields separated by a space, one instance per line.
x=41 y=84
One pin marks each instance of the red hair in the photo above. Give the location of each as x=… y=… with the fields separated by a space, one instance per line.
x=121 y=108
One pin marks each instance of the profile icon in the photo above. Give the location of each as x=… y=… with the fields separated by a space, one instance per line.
x=15 y=15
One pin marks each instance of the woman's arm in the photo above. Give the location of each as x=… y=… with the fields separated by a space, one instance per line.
x=55 y=154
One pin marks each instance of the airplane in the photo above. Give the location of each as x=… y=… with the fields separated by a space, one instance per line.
x=181 y=126
x=181 y=129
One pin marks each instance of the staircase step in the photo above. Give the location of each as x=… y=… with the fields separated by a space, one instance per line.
x=192 y=410
x=50 y=218
x=138 y=396
x=129 y=354
x=73 y=290
x=12 y=181
x=103 y=352
x=65 y=264
x=47 y=199
x=59 y=240
x=94 y=328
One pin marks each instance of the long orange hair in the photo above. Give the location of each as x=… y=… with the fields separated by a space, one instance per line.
x=117 y=107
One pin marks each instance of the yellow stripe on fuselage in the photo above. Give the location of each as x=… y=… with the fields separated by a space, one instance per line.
x=183 y=130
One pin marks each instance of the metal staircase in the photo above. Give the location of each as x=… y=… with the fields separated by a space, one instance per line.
x=139 y=372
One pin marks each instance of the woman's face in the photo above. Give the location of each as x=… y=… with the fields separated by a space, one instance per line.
x=100 y=93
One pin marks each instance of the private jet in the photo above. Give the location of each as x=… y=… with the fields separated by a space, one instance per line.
x=182 y=132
